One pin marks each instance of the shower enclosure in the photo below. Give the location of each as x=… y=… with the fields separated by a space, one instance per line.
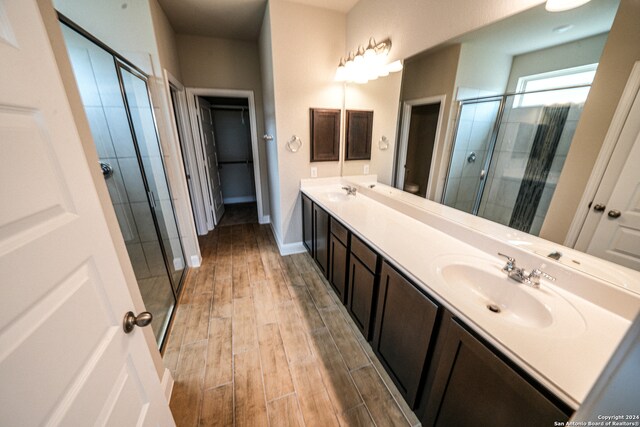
x=508 y=153
x=116 y=100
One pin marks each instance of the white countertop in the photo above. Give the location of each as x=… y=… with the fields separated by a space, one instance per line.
x=566 y=356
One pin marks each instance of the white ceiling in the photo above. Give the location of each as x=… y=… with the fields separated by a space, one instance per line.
x=231 y=19
x=533 y=29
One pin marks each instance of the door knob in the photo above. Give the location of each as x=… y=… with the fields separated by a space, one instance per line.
x=614 y=213
x=599 y=207
x=131 y=320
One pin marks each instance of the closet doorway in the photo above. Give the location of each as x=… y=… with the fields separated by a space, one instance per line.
x=226 y=153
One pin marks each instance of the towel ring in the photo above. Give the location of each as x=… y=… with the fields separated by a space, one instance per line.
x=294 y=144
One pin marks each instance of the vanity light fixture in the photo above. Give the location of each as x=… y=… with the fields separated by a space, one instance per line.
x=562 y=5
x=367 y=64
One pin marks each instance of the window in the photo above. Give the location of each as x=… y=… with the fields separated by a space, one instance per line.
x=563 y=80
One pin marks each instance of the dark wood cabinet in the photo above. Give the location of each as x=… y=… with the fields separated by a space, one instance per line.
x=362 y=285
x=359 y=127
x=404 y=332
x=338 y=259
x=321 y=238
x=475 y=386
x=307 y=223
x=325 y=134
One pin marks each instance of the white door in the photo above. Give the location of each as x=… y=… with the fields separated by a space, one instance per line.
x=615 y=211
x=617 y=237
x=64 y=358
x=211 y=159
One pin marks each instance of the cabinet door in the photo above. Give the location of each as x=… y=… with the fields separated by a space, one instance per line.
x=307 y=223
x=362 y=283
x=321 y=236
x=474 y=387
x=403 y=333
x=338 y=267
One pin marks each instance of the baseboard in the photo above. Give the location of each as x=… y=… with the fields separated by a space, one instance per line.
x=265 y=219
x=167 y=384
x=240 y=199
x=288 y=248
x=196 y=261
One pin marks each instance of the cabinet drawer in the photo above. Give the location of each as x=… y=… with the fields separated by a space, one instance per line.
x=339 y=231
x=364 y=253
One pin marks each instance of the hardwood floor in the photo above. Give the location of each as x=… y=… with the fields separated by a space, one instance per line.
x=262 y=340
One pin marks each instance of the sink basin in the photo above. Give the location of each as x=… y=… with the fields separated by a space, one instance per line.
x=498 y=294
x=478 y=285
x=336 y=196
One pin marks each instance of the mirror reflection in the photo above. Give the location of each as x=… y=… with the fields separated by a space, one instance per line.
x=485 y=123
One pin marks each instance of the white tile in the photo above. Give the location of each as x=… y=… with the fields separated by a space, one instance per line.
x=144 y=221
x=120 y=131
x=126 y=222
x=138 y=261
x=155 y=261
x=451 y=193
x=115 y=184
x=107 y=80
x=83 y=71
x=566 y=138
x=100 y=131
x=130 y=171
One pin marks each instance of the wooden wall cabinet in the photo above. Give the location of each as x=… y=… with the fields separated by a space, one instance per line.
x=362 y=285
x=359 y=128
x=404 y=332
x=325 y=134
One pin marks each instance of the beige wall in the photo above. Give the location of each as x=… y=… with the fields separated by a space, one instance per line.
x=430 y=74
x=567 y=55
x=414 y=26
x=214 y=63
x=621 y=51
x=165 y=39
x=381 y=96
x=307 y=43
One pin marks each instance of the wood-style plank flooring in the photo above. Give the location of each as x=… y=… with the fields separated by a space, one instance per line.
x=262 y=340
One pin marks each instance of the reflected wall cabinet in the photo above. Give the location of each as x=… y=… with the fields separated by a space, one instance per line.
x=358 y=135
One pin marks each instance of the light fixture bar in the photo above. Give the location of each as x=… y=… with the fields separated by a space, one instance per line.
x=368 y=63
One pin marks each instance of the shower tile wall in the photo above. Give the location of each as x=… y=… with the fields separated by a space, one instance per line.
x=513 y=146
x=474 y=135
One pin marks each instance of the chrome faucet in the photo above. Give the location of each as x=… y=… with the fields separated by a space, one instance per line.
x=520 y=274
x=351 y=191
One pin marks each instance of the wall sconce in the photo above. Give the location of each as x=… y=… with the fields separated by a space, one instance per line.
x=367 y=64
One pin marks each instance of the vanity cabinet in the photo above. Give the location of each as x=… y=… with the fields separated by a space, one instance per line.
x=307 y=223
x=315 y=232
x=362 y=285
x=404 y=331
x=321 y=238
x=338 y=259
x=473 y=385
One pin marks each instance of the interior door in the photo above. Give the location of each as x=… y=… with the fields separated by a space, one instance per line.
x=617 y=236
x=211 y=158
x=64 y=357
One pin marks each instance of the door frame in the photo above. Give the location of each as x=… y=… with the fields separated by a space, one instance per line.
x=607 y=165
x=181 y=125
x=401 y=157
x=191 y=94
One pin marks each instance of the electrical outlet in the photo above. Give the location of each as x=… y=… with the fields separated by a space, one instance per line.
x=314 y=172
x=366 y=169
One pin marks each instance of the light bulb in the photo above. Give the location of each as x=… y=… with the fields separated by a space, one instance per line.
x=562 y=5
x=395 y=66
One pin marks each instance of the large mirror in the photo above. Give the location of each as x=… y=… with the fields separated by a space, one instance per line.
x=490 y=123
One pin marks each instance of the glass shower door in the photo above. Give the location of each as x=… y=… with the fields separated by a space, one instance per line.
x=144 y=127
x=129 y=183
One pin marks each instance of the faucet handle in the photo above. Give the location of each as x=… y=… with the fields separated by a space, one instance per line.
x=511 y=262
x=537 y=273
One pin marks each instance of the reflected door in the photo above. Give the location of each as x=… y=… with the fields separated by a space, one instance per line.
x=211 y=157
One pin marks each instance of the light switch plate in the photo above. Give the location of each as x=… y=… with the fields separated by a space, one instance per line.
x=366 y=169
x=314 y=172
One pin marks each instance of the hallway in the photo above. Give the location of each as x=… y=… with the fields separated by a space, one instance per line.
x=259 y=339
